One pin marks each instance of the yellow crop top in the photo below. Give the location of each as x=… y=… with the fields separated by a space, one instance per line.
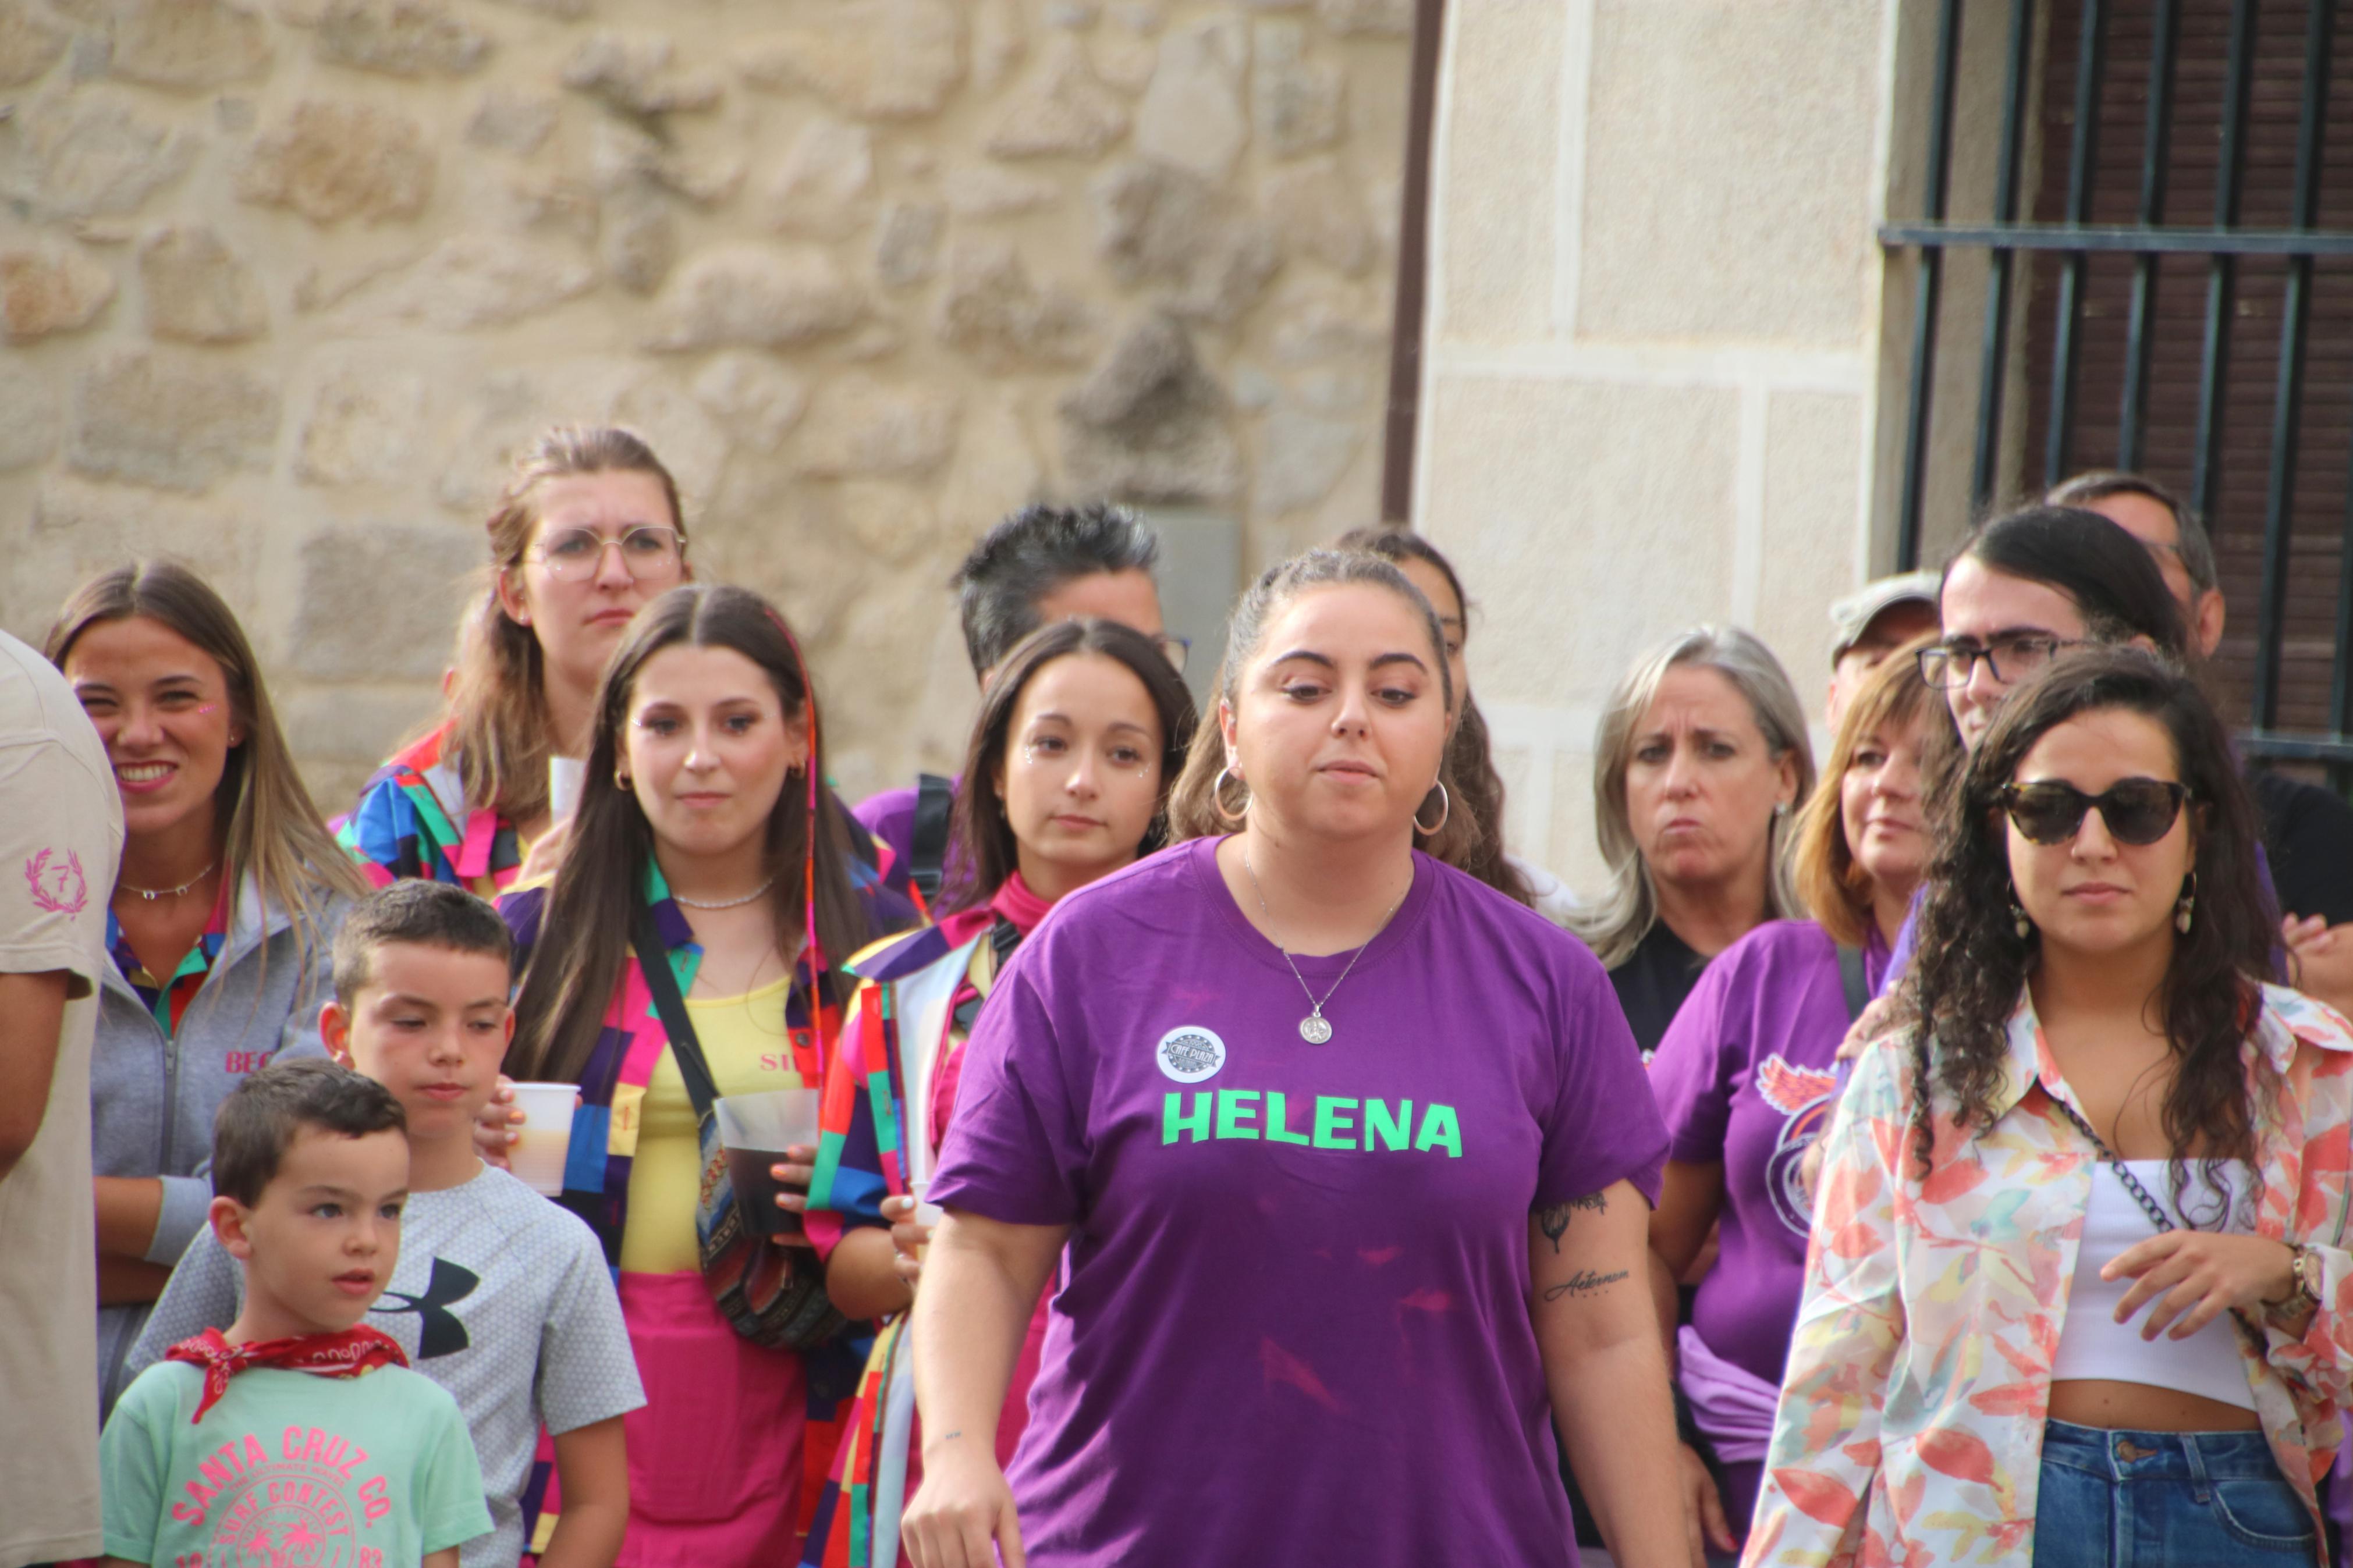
x=744 y=1040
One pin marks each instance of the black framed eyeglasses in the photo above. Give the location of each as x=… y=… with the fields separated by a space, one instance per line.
x=2136 y=811
x=2012 y=659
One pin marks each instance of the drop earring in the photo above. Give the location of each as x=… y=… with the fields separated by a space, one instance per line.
x=2186 y=905
x=2018 y=920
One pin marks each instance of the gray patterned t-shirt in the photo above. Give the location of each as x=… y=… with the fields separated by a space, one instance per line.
x=500 y=1296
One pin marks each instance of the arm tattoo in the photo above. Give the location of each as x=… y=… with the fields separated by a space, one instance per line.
x=1584 y=1282
x=1553 y=1218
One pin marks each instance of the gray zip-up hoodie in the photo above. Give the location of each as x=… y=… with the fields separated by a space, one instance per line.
x=152 y=1098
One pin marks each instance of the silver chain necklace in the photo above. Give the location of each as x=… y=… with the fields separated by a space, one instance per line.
x=152 y=894
x=724 y=903
x=1315 y=1028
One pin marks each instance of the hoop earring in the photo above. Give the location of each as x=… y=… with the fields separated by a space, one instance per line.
x=620 y=781
x=1445 y=812
x=1217 y=797
x=2188 y=903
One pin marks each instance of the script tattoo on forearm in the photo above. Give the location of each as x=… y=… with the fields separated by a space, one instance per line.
x=1584 y=1282
x=1553 y=1218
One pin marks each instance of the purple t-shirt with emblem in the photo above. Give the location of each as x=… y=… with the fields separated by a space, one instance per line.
x=1745 y=1076
x=1296 y=1285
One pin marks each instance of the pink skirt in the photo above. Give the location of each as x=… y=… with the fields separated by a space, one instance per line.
x=715 y=1455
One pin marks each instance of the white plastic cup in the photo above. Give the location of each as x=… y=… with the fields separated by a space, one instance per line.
x=757 y=1130
x=565 y=777
x=926 y=1214
x=544 y=1139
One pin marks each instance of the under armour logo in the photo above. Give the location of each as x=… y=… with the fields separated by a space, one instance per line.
x=440 y=1332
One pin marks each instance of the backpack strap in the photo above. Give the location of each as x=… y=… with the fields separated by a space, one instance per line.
x=928 y=848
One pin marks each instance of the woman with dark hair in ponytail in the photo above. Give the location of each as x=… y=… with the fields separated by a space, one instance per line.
x=1080 y=739
x=1469 y=762
x=2077 y=1284
x=697 y=925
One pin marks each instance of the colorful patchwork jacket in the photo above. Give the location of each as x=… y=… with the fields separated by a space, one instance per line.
x=1910 y=1427
x=913 y=1010
x=413 y=821
x=613 y=1088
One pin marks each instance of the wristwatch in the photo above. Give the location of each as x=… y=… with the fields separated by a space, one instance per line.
x=2306 y=1270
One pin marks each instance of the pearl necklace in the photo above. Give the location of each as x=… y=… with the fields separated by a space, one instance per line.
x=150 y=896
x=724 y=903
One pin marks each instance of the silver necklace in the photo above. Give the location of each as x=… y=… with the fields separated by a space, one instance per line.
x=724 y=903
x=151 y=895
x=1315 y=1028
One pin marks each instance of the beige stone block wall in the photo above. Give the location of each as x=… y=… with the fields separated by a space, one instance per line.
x=283 y=283
x=1649 y=387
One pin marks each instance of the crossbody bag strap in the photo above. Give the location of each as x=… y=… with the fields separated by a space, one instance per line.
x=927 y=842
x=653 y=958
x=1856 y=982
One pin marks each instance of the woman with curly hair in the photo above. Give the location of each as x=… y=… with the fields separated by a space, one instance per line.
x=2077 y=1285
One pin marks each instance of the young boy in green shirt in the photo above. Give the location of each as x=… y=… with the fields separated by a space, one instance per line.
x=300 y=1434
x=499 y=1296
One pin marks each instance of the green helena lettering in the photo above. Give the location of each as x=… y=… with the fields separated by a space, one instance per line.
x=1235 y=1106
x=1276 y=1132
x=1391 y=1130
x=1236 y=1113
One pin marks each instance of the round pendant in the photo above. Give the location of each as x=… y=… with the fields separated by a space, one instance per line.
x=1313 y=1029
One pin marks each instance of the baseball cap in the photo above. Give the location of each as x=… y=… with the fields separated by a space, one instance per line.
x=1853 y=616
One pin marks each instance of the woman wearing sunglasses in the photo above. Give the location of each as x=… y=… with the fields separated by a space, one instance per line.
x=2073 y=1292
x=587 y=531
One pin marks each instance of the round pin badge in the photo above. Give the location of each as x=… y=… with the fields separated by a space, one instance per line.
x=1189 y=1054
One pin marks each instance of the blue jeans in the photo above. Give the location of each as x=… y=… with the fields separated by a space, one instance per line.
x=2166 y=1499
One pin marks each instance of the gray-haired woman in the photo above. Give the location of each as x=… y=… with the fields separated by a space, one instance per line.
x=1699 y=757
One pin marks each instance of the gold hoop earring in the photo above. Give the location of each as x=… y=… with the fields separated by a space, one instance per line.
x=620 y=781
x=1217 y=797
x=1445 y=812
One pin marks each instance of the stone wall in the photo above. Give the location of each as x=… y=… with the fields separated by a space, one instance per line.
x=1651 y=386
x=284 y=282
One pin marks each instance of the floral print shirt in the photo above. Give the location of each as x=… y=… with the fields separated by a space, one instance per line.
x=1910 y=1427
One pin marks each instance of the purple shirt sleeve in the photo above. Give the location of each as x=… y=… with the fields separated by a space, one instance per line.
x=1689 y=1073
x=1016 y=1148
x=890 y=815
x=1604 y=1126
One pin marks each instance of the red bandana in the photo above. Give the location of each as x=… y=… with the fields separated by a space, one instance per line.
x=347 y=1354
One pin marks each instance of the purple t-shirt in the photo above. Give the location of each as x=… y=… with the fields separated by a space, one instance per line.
x=1744 y=1076
x=1296 y=1284
x=890 y=815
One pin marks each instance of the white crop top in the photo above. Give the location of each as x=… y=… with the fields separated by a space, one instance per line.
x=2092 y=1344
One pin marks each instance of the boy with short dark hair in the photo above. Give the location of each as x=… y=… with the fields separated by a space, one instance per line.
x=299 y=1434
x=500 y=1296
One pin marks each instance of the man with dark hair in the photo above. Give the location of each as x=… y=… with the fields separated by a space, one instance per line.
x=1043 y=563
x=2307 y=830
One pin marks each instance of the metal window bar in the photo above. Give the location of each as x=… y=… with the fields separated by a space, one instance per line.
x=2221 y=245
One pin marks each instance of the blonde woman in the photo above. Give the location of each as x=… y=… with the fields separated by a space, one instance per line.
x=1745 y=1080
x=219 y=921
x=1701 y=756
x=587 y=531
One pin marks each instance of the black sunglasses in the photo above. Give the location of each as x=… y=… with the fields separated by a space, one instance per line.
x=2136 y=811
